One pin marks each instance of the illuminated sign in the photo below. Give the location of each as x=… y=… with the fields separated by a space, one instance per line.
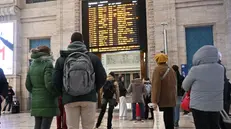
x=6 y=47
x=113 y=26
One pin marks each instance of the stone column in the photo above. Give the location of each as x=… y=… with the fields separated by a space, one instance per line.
x=158 y=12
x=227 y=5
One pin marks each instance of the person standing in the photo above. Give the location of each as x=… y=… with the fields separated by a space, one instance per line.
x=111 y=97
x=205 y=81
x=9 y=99
x=138 y=90
x=164 y=89
x=61 y=119
x=83 y=104
x=180 y=93
x=227 y=92
x=3 y=88
x=147 y=98
x=227 y=87
x=39 y=84
x=123 y=102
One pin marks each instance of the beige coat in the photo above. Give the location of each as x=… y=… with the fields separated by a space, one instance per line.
x=164 y=91
x=138 y=90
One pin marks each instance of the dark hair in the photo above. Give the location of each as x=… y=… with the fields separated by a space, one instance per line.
x=136 y=76
x=77 y=37
x=120 y=78
x=112 y=74
x=44 y=49
x=147 y=79
x=175 y=68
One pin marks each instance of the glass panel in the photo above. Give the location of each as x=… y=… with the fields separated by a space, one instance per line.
x=127 y=80
x=39 y=42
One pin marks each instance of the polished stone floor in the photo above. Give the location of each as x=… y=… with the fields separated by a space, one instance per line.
x=25 y=121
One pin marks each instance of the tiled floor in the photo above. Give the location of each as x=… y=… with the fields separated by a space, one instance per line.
x=25 y=121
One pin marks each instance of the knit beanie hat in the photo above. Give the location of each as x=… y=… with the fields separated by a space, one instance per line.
x=161 y=58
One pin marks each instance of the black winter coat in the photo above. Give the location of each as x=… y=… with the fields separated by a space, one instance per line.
x=9 y=97
x=3 y=85
x=122 y=89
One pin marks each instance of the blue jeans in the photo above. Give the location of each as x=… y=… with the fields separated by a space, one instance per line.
x=177 y=110
x=134 y=110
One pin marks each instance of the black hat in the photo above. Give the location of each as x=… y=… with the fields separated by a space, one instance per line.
x=112 y=74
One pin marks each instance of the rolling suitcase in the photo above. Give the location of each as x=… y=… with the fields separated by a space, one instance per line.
x=138 y=115
x=15 y=107
x=226 y=119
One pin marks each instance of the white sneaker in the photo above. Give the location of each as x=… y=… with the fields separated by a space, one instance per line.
x=3 y=112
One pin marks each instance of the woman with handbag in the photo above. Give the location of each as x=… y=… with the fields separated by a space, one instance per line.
x=205 y=81
x=164 y=89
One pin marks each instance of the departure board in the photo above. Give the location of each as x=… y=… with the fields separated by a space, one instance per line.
x=113 y=25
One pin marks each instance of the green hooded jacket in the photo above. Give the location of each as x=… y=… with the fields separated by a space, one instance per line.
x=39 y=84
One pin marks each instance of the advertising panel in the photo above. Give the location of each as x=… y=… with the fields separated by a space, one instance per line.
x=7 y=47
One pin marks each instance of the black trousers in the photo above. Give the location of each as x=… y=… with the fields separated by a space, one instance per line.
x=43 y=122
x=168 y=117
x=147 y=100
x=206 y=120
x=10 y=103
x=112 y=104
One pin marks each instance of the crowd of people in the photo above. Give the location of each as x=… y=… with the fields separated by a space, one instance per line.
x=69 y=90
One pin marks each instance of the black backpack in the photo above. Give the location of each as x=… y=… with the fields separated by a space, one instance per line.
x=109 y=89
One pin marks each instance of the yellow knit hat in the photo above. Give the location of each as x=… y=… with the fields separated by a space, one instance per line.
x=161 y=58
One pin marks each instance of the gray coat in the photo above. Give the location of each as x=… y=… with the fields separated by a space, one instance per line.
x=138 y=90
x=206 y=80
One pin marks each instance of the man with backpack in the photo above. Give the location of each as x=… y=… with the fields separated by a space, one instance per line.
x=79 y=75
x=111 y=96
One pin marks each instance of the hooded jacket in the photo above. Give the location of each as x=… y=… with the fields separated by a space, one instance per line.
x=100 y=74
x=138 y=90
x=205 y=80
x=39 y=84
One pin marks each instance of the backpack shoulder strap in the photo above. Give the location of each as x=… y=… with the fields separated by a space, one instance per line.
x=165 y=74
